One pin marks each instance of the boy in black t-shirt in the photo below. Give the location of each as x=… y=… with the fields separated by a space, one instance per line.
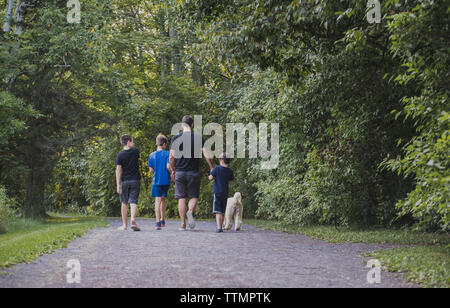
x=222 y=176
x=128 y=180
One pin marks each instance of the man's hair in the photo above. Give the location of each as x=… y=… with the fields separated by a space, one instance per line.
x=125 y=138
x=225 y=158
x=161 y=139
x=187 y=119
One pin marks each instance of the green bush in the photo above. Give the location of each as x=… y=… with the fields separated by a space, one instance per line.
x=426 y=155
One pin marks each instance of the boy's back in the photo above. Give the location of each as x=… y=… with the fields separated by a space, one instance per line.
x=222 y=175
x=129 y=160
x=158 y=160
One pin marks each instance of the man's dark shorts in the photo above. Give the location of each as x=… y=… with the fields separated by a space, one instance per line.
x=130 y=192
x=187 y=184
x=220 y=203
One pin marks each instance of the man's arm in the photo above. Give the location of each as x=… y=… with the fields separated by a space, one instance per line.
x=118 y=177
x=172 y=160
x=208 y=159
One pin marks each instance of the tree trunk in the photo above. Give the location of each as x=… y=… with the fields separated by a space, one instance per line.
x=176 y=46
x=19 y=16
x=29 y=196
x=8 y=16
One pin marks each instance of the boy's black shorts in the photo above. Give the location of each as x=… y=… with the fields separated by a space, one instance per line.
x=130 y=192
x=220 y=203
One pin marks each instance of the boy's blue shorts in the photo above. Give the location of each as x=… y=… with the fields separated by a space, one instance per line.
x=160 y=191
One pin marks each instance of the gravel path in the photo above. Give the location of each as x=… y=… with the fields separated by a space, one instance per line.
x=201 y=258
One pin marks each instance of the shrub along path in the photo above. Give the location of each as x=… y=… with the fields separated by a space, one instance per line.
x=201 y=258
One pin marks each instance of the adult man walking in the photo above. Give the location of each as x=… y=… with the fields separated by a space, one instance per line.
x=186 y=151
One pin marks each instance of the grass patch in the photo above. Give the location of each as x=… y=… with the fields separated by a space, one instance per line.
x=427 y=263
x=348 y=235
x=26 y=239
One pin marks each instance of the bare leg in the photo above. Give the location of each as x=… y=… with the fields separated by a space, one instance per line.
x=219 y=220
x=182 y=211
x=158 y=209
x=133 y=214
x=193 y=204
x=163 y=208
x=124 y=211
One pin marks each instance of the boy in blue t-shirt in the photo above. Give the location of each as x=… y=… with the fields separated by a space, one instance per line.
x=158 y=163
x=222 y=176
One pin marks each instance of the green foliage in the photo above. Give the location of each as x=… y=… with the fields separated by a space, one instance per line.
x=14 y=114
x=332 y=80
x=363 y=108
x=7 y=209
x=419 y=39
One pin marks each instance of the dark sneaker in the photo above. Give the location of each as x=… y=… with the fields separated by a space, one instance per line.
x=158 y=226
x=219 y=231
x=163 y=223
x=135 y=228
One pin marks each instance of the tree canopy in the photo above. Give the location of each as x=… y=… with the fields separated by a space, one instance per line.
x=362 y=106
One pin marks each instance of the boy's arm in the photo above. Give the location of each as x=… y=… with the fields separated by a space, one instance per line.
x=212 y=175
x=169 y=168
x=118 y=177
x=151 y=169
x=231 y=178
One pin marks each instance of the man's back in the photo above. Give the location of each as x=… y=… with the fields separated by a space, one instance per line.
x=129 y=160
x=190 y=161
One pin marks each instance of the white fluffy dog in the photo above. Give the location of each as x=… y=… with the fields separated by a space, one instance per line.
x=234 y=209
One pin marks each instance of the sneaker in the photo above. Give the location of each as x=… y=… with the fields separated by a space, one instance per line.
x=191 y=220
x=182 y=228
x=122 y=228
x=219 y=231
x=158 y=226
x=163 y=223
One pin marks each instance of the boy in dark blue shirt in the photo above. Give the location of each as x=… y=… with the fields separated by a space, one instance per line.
x=159 y=165
x=222 y=176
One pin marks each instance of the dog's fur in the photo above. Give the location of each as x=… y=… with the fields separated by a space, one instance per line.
x=234 y=209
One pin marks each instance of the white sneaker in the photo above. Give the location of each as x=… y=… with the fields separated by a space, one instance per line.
x=122 y=228
x=191 y=221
